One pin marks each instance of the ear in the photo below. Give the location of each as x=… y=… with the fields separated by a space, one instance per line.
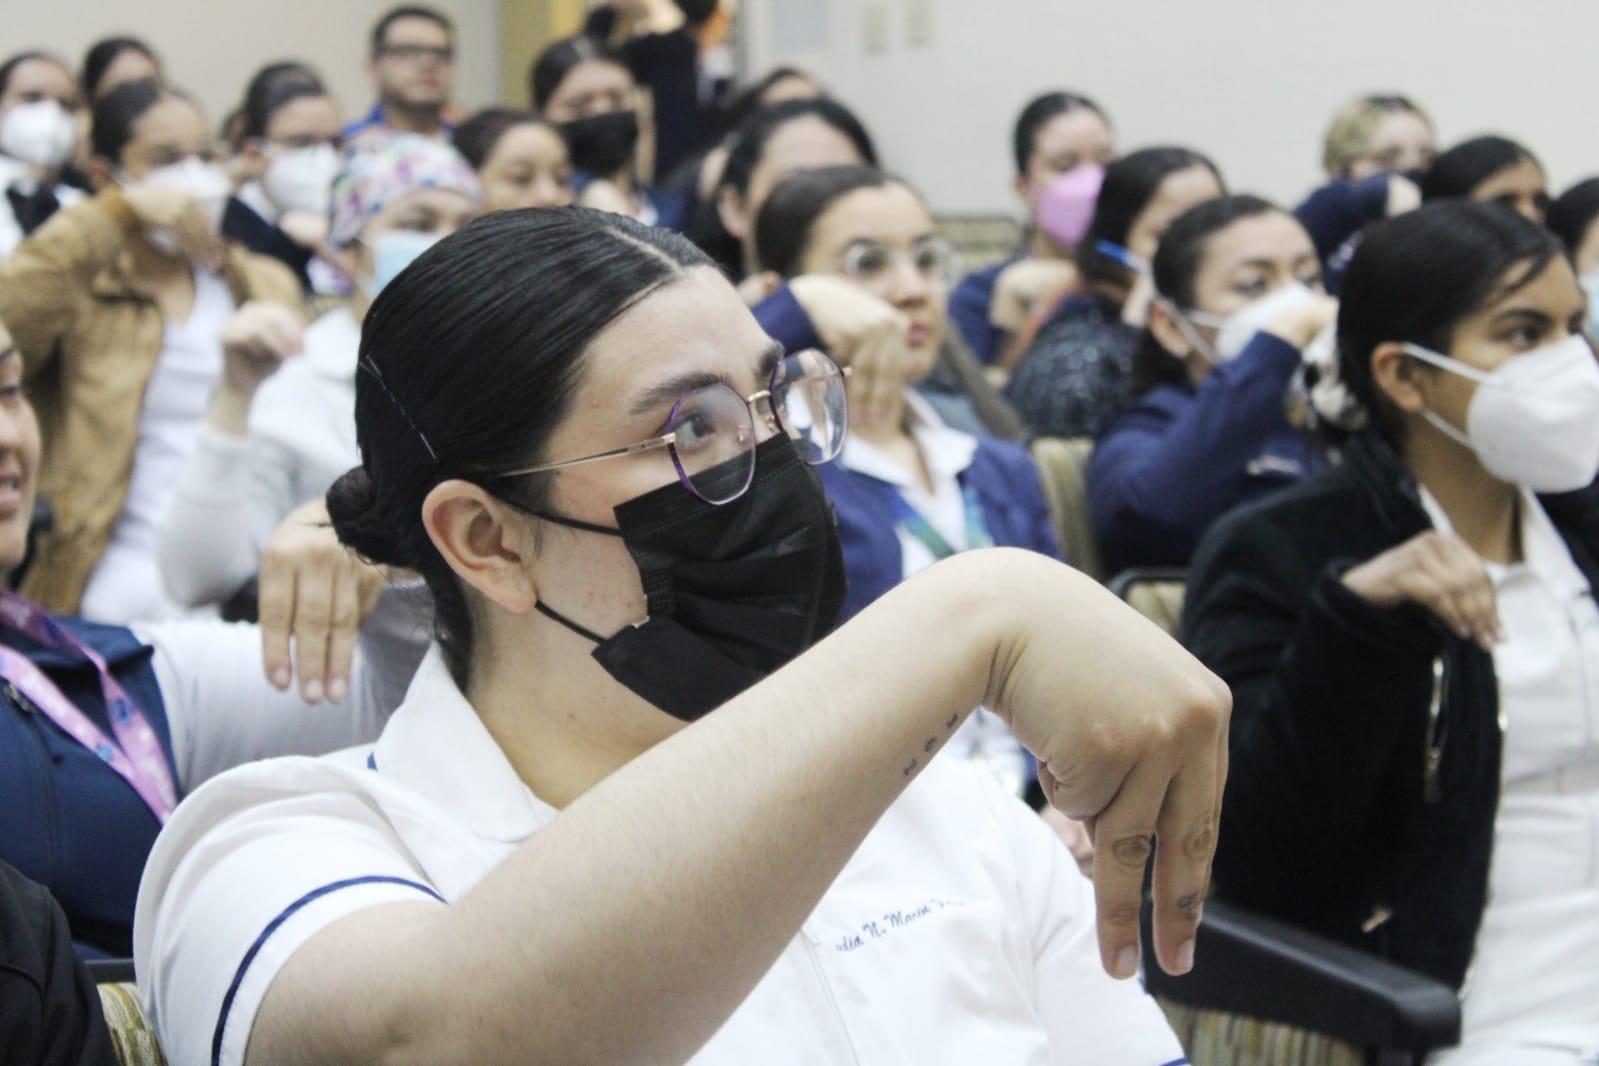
x=735 y=219
x=1399 y=377
x=1024 y=190
x=486 y=542
x=1172 y=336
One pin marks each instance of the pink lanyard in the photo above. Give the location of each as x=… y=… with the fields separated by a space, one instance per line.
x=135 y=754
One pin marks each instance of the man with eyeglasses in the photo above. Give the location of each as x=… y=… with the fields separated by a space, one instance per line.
x=413 y=68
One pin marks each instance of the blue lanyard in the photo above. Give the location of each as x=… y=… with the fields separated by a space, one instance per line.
x=916 y=524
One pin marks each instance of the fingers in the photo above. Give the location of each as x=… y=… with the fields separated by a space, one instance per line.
x=344 y=625
x=881 y=369
x=315 y=593
x=1450 y=580
x=1187 y=836
x=275 y=601
x=1124 y=841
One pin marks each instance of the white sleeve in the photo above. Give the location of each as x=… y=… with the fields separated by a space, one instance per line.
x=246 y=872
x=1090 y=1017
x=231 y=496
x=223 y=712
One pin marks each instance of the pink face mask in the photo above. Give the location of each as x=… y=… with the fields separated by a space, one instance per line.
x=1065 y=206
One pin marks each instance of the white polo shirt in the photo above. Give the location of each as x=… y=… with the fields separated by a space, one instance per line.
x=960 y=932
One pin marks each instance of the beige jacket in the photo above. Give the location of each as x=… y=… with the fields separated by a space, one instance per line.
x=89 y=344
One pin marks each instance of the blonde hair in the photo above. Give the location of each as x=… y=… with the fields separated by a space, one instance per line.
x=1349 y=136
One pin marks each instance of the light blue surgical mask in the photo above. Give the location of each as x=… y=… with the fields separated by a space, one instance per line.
x=1590 y=285
x=392 y=252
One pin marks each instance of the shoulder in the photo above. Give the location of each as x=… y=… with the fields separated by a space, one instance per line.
x=112 y=641
x=1299 y=528
x=1005 y=459
x=1155 y=409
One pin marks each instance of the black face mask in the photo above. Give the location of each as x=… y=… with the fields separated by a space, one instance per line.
x=602 y=144
x=734 y=591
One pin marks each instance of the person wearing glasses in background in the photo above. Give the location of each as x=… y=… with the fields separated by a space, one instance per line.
x=413 y=69
x=122 y=306
x=634 y=807
x=908 y=490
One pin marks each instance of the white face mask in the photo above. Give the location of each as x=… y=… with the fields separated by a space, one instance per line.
x=1235 y=331
x=1534 y=421
x=42 y=133
x=301 y=179
x=206 y=183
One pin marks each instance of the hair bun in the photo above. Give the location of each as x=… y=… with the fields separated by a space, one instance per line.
x=353 y=507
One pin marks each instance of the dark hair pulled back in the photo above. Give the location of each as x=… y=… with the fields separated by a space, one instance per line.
x=468 y=362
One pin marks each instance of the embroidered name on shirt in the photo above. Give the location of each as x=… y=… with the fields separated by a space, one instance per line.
x=891 y=923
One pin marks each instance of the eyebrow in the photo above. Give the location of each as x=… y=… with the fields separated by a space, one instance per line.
x=669 y=390
x=1509 y=314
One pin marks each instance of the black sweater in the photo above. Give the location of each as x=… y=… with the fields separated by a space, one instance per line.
x=1366 y=743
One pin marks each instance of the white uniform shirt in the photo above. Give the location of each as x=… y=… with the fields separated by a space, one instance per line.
x=125 y=585
x=984 y=737
x=235 y=491
x=1533 y=990
x=960 y=932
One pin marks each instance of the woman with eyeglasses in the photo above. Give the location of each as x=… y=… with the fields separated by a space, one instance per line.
x=122 y=307
x=634 y=807
x=908 y=490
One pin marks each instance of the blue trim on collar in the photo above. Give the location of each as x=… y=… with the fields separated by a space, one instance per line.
x=272 y=927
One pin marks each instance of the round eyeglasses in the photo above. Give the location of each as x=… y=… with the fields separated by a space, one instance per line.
x=710 y=434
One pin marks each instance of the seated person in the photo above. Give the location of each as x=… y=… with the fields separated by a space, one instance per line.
x=840 y=301
x=1057 y=138
x=286 y=145
x=907 y=490
x=1574 y=218
x=1237 y=287
x=1376 y=151
x=49 y=1006
x=1489 y=170
x=1074 y=373
x=596 y=804
x=39 y=121
x=588 y=91
x=1412 y=640
x=272 y=439
x=122 y=306
x=103 y=729
x=520 y=159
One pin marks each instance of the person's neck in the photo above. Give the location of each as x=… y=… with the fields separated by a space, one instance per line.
x=623 y=180
x=893 y=439
x=1042 y=246
x=407 y=119
x=151 y=269
x=1484 y=511
x=562 y=722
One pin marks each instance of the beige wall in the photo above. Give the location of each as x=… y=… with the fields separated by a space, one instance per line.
x=1252 y=81
x=212 y=48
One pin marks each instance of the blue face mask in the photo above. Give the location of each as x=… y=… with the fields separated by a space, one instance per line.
x=392 y=252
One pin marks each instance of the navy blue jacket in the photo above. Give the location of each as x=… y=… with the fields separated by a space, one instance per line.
x=1179 y=458
x=67 y=820
x=240 y=222
x=969 y=304
x=1001 y=474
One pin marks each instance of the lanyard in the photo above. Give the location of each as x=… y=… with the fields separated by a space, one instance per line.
x=916 y=524
x=135 y=754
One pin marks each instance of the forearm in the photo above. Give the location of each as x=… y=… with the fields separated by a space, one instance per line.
x=206 y=542
x=727 y=834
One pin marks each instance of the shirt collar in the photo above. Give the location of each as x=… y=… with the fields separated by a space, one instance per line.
x=947 y=452
x=1543 y=549
x=436 y=744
